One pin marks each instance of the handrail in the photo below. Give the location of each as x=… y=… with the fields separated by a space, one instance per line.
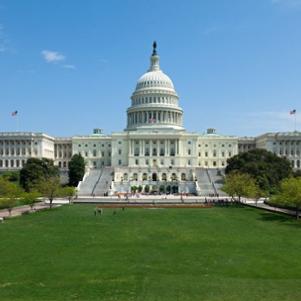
x=92 y=193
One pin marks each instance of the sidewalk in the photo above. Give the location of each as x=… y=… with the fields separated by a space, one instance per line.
x=17 y=211
x=262 y=205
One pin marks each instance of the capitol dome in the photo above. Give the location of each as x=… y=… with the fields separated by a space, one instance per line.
x=155 y=103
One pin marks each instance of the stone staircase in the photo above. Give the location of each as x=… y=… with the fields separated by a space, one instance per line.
x=217 y=179
x=88 y=184
x=103 y=182
x=210 y=181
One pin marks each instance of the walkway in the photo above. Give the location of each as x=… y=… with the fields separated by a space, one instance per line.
x=17 y=211
x=262 y=205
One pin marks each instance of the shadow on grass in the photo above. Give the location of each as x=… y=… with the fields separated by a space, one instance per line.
x=280 y=218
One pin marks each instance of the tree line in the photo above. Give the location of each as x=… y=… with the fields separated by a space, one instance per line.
x=260 y=173
x=39 y=178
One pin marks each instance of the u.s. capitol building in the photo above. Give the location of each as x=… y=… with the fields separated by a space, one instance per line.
x=154 y=150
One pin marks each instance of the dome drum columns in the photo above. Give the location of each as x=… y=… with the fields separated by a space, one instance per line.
x=154 y=101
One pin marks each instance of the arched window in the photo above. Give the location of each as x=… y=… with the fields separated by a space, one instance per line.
x=183 y=177
x=144 y=177
x=173 y=177
x=125 y=177
x=164 y=178
x=135 y=177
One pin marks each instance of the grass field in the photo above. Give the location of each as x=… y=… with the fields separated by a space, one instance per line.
x=145 y=254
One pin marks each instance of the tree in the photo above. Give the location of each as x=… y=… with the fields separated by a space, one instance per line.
x=11 y=176
x=50 y=189
x=36 y=171
x=134 y=188
x=146 y=189
x=68 y=192
x=30 y=198
x=265 y=167
x=76 y=169
x=239 y=184
x=290 y=194
x=8 y=203
x=9 y=194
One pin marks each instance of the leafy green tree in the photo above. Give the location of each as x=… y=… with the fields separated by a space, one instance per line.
x=239 y=184
x=50 y=189
x=36 y=171
x=290 y=194
x=146 y=189
x=8 y=203
x=68 y=192
x=11 y=176
x=10 y=194
x=265 y=167
x=30 y=198
x=134 y=188
x=76 y=169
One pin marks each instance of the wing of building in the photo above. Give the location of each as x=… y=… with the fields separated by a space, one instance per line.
x=154 y=152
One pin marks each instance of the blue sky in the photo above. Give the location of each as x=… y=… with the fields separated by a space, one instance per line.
x=70 y=66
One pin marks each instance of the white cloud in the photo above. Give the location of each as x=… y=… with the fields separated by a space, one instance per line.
x=72 y=67
x=52 y=56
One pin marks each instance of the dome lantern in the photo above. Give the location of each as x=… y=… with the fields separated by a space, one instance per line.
x=155 y=103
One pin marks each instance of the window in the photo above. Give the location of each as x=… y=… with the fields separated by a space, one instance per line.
x=189 y=152
x=136 y=161
x=94 y=153
x=119 y=162
x=119 y=152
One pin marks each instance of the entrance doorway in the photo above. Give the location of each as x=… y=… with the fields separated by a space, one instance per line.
x=154 y=177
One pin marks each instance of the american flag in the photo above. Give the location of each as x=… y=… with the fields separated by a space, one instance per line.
x=14 y=113
x=292 y=112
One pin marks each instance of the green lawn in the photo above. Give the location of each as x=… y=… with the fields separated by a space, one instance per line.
x=146 y=254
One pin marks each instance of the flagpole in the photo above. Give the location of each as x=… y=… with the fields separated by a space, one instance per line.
x=18 y=123
x=295 y=121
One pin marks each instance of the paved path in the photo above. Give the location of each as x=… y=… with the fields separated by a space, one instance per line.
x=262 y=205
x=17 y=211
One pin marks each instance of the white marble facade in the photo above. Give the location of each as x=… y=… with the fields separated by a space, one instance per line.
x=154 y=141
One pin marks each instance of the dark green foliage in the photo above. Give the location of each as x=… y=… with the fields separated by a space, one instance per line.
x=297 y=173
x=265 y=167
x=35 y=171
x=12 y=176
x=76 y=169
x=133 y=188
x=217 y=254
